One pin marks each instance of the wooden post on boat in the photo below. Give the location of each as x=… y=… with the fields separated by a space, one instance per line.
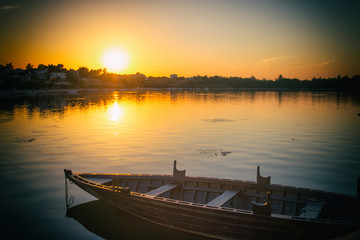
x=177 y=173
x=262 y=209
x=262 y=180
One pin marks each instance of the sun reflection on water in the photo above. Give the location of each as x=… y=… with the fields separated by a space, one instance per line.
x=115 y=112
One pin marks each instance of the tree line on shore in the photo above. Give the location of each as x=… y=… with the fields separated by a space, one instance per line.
x=83 y=77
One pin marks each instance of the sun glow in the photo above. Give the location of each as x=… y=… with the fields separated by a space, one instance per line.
x=115 y=60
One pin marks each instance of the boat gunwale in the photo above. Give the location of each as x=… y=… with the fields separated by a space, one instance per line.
x=272 y=186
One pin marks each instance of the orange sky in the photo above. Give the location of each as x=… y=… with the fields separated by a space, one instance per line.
x=299 y=39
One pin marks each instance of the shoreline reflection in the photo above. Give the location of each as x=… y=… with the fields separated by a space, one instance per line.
x=58 y=104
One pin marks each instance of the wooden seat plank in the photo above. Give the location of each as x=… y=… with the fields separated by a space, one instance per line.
x=160 y=190
x=312 y=210
x=223 y=198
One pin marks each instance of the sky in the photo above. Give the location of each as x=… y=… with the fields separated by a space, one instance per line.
x=244 y=38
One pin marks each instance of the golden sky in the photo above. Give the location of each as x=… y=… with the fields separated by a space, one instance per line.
x=298 y=39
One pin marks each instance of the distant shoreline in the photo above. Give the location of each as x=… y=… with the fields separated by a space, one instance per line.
x=89 y=90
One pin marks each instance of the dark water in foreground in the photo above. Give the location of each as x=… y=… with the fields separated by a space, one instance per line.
x=299 y=138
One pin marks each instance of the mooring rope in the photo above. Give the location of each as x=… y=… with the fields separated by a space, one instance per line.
x=69 y=201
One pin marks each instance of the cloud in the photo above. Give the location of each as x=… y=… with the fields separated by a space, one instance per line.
x=316 y=65
x=273 y=60
x=328 y=62
x=9 y=7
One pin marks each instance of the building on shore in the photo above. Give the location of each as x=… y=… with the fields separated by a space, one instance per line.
x=40 y=74
x=57 y=76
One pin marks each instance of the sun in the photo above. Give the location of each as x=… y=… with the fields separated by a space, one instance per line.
x=115 y=60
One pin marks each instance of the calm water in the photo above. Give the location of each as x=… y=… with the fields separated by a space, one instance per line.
x=299 y=138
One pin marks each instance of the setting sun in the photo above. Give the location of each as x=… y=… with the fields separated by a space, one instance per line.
x=115 y=60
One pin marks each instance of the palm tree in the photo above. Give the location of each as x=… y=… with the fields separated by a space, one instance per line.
x=29 y=67
x=9 y=66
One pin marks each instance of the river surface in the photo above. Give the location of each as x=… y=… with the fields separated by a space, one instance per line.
x=305 y=139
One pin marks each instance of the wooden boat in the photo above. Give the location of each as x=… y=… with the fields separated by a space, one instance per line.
x=225 y=208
